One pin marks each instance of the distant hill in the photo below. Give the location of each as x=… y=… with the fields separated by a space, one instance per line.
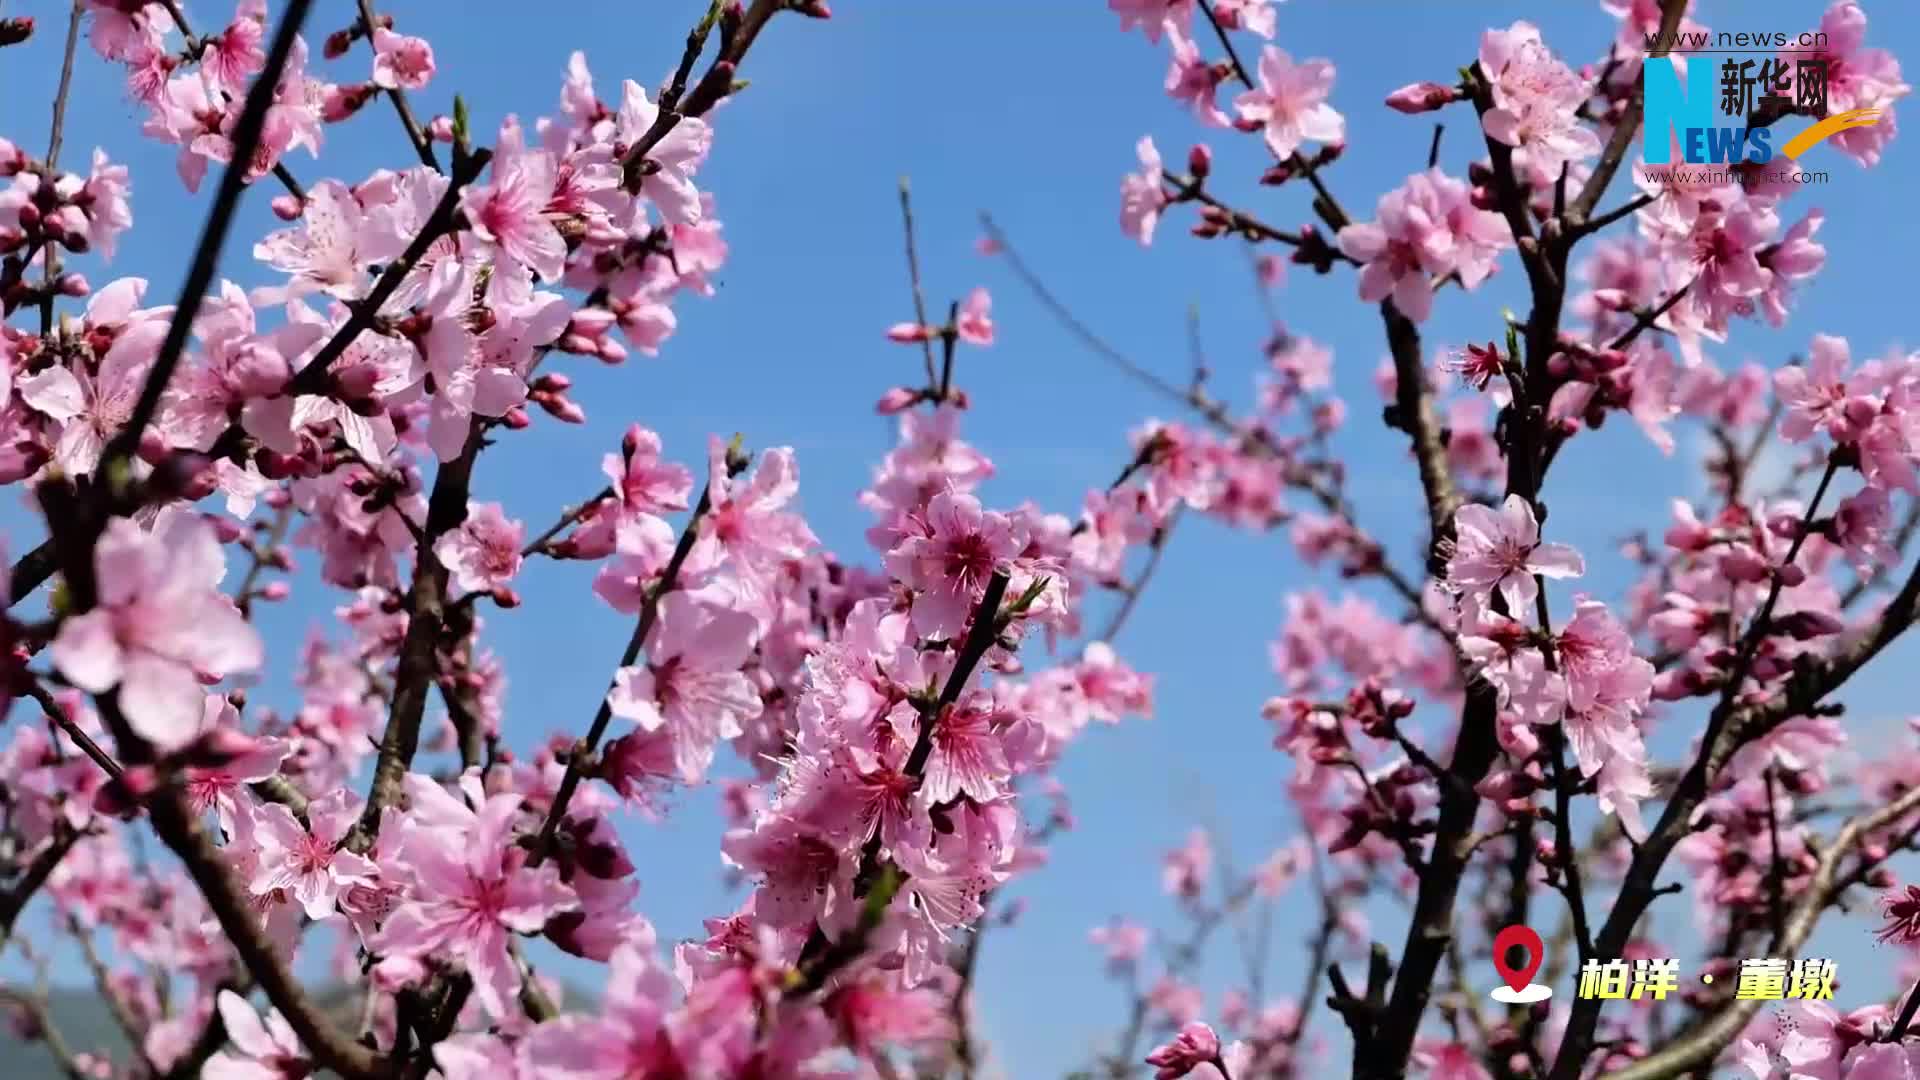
x=83 y=1018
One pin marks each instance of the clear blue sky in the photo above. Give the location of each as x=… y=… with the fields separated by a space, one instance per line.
x=1029 y=110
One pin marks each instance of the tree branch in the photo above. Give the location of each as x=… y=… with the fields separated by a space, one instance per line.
x=1704 y=1043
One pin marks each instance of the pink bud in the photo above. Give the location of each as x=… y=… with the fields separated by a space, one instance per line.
x=567 y=410
x=1791 y=575
x=895 y=400
x=1422 y=97
x=591 y=322
x=553 y=382
x=286 y=207
x=1200 y=161
x=516 y=419
x=440 y=129
x=506 y=597
x=337 y=44
x=813 y=9
x=909 y=333
x=578 y=344
x=74 y=285
x=611 y=351
x=276 y=591
x=355 y=382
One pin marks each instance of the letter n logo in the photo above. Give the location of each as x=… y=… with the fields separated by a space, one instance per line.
x=1670 y=109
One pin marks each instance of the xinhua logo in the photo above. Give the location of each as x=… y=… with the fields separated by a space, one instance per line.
x=1727 y=124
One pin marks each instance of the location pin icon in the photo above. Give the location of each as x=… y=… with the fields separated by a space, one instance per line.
x=1503 y=945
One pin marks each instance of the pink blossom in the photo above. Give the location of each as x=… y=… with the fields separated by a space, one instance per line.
x=1535 y=96
x=1819 y=396
x=1254 y=15
x=483 y=554
x=1192 y=80
x=509 y=212
x=691 y=684
x=1194 y=1045
x=975 y=321
x=401 y=62
x=948 y=562
x=474 y=887
x=676 y=157
x=1152 y=16
x=92 y=408
x=1141 y=197
x=1185 y=869
x=1501 y=550
x=323 y=251
x=1427 y=227
x=265 y=1051
x=1125 y=942
x=160 y=625
x=1291 y=103
x=307 y=862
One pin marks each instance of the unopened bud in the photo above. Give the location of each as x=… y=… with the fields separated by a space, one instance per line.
x=895 y=400
x=812 y=9
x=552 y=383
x=516 y=419
x=611 y=351
x=910 y=333
x=440 y=129
x=286 y=207
x=74 y=285
x=16 y=30
x=337 y=44
x=578 y=344
x=1422 y=97
x=276 y=591
x=506 y=597
x=1200 y=161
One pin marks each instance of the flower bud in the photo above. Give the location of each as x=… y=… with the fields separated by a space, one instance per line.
x=1200 y=161
x=910 y=333
x=516 y=419
x=896 y=400
x=611 y=351
x=506 y=597
x=286 y=207
x=15 y=30
x=1422 y=97
x=440 y=129
x=74 y=285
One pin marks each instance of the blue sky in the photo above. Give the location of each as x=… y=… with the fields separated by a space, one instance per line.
x=1029 y=111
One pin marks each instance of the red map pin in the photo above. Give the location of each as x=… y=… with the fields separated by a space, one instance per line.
x=1503 y=944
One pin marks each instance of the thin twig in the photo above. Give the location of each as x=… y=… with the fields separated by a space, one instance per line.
x=913 y=276
x=583 y=750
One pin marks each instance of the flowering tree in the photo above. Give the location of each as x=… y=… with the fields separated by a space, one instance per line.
x=891 y=717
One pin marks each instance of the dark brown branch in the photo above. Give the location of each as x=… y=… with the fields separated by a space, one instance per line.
x=913 y=276
x=31 y=572
x=539 y=543
x=1618 y=143
x=1649 y=317
x=426 y=619
x=52 y=249
x=72 y=730
x=14 y=900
